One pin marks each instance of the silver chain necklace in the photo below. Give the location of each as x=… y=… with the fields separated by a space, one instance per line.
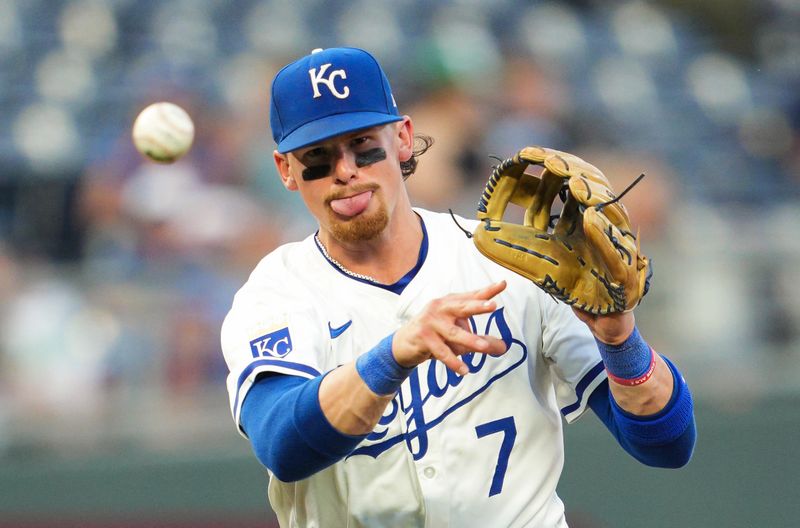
x=339 y=266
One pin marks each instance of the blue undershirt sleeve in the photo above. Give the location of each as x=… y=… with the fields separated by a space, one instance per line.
x=665 y=439
x=288 y=431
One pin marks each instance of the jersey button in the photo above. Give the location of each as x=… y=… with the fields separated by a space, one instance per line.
x=429 y=472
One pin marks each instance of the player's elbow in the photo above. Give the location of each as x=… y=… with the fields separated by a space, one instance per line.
x=280 y=465
x=287 y=472
x=667 y=460
x=683 y=447
x=678 y=462
x=289 y=469
x=290 y=459
x=673 y=455
x=681 y=456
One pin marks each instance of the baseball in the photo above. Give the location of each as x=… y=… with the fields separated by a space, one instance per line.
x=163 y=132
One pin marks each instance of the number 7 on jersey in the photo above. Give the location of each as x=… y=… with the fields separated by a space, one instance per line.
x=509 y=429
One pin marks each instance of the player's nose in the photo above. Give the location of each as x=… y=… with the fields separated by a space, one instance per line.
x=345 y=168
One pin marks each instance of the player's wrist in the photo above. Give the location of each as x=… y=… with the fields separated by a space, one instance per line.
x=614 y=328
x=631 y=362
x=406 y=360
x=380 y=370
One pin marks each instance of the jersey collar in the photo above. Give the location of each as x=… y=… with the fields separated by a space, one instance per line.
x=404 y=281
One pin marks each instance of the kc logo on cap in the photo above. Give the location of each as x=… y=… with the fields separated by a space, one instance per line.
x=347 y=91
x=329 y=82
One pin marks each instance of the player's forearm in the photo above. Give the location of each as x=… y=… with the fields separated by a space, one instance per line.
x=665 y=439
x=354 y=396
x=648 y=398
x=639 y=380
x=650 y=408
x=348 y=404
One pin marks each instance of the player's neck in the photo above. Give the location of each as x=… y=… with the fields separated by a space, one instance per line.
x=387 y=257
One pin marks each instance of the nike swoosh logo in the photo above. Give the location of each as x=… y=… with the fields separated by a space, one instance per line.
x=339 y=330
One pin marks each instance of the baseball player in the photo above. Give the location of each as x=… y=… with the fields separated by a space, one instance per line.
x=388 y=374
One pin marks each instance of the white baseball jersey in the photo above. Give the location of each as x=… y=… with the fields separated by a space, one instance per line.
x=481 y=450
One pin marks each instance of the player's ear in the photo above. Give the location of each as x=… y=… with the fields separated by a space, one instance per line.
x=284 y=171
x=405 y=135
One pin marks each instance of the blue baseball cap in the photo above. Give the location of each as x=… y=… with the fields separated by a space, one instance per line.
x=327 y=93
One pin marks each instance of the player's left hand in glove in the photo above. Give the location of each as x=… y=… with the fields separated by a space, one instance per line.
x=589 y=259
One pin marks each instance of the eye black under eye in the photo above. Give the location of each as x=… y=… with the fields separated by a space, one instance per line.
x=362 y=159
x=316 y=172
x=370 y=156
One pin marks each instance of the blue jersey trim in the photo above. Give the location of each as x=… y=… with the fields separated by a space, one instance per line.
x=404 y=281
x=587 y=379
x=299 y=367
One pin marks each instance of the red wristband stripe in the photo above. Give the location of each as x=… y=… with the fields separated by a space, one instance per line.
x=641 y=379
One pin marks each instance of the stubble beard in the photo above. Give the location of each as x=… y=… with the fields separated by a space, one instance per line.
x=362 y=227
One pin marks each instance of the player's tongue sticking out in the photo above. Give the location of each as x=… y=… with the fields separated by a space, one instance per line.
x=352 y=205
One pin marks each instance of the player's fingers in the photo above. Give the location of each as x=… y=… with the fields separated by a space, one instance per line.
x=457 y=335
x=485 y=293
x=462 y=340
x=463 y=322
x=497 y=347
x=462 y=308
x=491 y=290
x=440 y=351
x=457 y=349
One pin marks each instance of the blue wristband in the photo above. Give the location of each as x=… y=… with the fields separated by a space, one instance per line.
x=629 y=360
x=380 y=370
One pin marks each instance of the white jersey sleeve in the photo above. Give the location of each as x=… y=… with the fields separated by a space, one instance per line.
x=268 y=330
x=575 y=359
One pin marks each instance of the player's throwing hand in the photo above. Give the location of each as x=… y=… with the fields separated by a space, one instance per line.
x=442 y=331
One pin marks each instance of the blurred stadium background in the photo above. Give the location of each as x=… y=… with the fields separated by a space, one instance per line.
x=115 y=273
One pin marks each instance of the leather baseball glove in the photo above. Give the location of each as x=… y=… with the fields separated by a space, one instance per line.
x=588 y=258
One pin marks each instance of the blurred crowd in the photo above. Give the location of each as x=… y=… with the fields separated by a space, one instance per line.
x=115 y=272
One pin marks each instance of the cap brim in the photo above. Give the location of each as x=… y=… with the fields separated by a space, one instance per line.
x=331 y=126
